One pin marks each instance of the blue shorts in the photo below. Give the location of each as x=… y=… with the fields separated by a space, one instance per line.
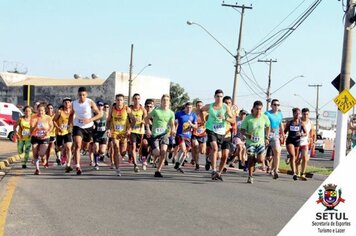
x=253 y=150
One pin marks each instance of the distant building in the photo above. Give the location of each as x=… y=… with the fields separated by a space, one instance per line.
x=52 y=90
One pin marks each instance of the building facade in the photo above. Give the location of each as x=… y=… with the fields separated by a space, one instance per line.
x=52 y=90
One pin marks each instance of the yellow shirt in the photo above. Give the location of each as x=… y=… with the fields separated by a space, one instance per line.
x=138 y=127
x=41 y=126
x=53 y=131
x=119 y=120
x=24 y=130
x=62 y=122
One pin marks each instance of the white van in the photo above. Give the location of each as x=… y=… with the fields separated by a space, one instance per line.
x=10 y=113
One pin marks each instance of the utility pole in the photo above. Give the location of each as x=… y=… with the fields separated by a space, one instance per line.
x=341 y=131
x=238 y=55
x=268 y=93
x=130 y=76
x=317 y=106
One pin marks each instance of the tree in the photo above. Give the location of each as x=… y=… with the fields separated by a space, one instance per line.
x=178 y=96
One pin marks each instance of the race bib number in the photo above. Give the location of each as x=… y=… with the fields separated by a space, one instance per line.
x=40 y=125
x=219 y=128
x=294 y=128
x=255 y=139
x=136 y=127
x=200 y=130
x=25 y=133
x=160 y=130
x=119 y=127
x=103 y=128
x=64 y=126
x=41 y=133
x=80 y=121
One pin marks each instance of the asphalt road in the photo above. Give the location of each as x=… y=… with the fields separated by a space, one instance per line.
x=100 y=203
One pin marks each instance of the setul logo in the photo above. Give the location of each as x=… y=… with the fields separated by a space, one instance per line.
x=330 y=198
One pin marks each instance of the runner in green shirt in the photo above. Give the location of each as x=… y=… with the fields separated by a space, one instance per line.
x=256 y=128
x=162 y=128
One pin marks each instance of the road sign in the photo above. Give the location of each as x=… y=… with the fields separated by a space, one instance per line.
x=345 y=101
x=336 y=82
x=329 y=114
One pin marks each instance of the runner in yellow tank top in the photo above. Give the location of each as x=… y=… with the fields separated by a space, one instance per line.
x=23 y=134
x=52 y=135
x=137 y=129
x=118 y=127
x=64 y=133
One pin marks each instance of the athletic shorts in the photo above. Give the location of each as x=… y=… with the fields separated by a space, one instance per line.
x=294 y=141
x=227 y=145
x=63 y=139
x=253 y=150
x=35 y=140
x=214 y=137
x=52 y=138
x=135 y=138
x=121 y=137
x=159 y=140
x=237 y=141
x=100 y=137
x=180 y=139
x=269 y=151
x=274 y=142
x=200 y=139
x=86 y=134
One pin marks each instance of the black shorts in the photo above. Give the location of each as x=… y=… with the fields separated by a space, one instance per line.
x=200 y=139
x=86 y=134
x=157 y=141
x=100 y=137
x=35 y=140
x=227 y=145
x=214 y=137
x=294 y=141
x=135 y=138
x=269 y=151
x=63 y=139
x=52 y=138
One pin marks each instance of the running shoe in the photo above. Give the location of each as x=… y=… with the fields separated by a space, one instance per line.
x=295 y=177
x=144 y=166
x=207 y=164
x=218 y=177
x=136 y=168
x=96 y=167
x=196 y=166
x=192 y=162
x=176 y=166
x=112 y=166
x=303 y=177
x=232 y=165
x=79 y=171
x=58 y=161
x=250 y=180
x=37 y=172
x=68 y=169
x=287 y=160
x=101 y=158
x=166 y=163
x=91 y=163
x=46 y=165
x=213 y=175
x=118 y=172
x=275 y=175
x=24 y=166
x=180 y=170
x=224 y=170
x=158 y=174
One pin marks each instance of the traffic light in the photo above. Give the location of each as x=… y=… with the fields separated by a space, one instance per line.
x=28 y=93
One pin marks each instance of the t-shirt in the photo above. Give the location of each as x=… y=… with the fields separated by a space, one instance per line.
x=275 y=120
x=184 y=129
x=161 y=118
x=255 y=127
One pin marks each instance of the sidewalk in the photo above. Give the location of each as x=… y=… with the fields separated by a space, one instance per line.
x=7 y=150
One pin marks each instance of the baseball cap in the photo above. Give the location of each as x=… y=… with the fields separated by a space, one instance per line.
x=99 y=103
x=67 y=99
x=244 y=111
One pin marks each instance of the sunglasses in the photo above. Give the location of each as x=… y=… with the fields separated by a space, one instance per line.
x=276 y=104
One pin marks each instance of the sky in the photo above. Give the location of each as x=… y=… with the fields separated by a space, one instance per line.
x=61 y=38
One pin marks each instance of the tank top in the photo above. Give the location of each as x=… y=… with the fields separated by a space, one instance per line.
x=200 y=130
x=53 y=131
x=42 y=125
x=119 y=120
x=294 y=129
x=138 y=127
x=62 y=122
x=304 y=139
x=100 y=125
x=24 y=130
x=214 y=122
x=82 y=111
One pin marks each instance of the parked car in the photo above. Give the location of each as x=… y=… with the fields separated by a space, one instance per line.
x=6 y=130
x=320 y=144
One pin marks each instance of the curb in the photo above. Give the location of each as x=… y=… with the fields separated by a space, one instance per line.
x=10 y=160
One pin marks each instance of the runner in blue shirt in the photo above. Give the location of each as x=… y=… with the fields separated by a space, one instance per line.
x=186 y=120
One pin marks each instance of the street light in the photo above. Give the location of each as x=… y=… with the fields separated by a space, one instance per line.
x=141 y=71
x=237 y=57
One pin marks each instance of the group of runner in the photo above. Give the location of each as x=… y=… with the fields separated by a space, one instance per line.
x=155 y=134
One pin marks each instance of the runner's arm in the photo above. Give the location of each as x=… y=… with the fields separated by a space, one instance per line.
x=205 y=108
x=95 y=109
